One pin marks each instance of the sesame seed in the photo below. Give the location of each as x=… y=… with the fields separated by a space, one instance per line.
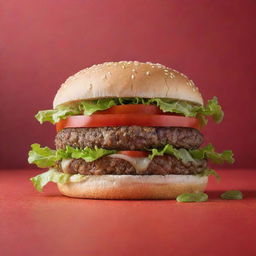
x=123 y=67
x=147 y=73
x=109 y=72
x=183 y=75
x=193 y=89
x=132 y=76
x=133 y=70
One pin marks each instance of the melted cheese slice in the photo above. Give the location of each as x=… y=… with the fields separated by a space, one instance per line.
x=139 y=163
x=65 y=165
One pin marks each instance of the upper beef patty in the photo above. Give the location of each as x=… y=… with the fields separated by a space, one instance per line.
x=160 y=165
x=129 y=137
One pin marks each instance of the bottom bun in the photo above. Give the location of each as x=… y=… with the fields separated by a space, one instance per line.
x=134 y=186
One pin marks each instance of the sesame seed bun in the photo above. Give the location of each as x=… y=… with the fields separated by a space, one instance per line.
x=134 y=186
x=127 y=79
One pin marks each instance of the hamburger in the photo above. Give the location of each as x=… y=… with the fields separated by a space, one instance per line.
x=128 y=130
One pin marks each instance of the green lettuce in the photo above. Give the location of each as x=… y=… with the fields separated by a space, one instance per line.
x=209 y=153
x=88 y=154
x=45 y=157
x=42 y=157
x=181 y=153
x=209 y=172
x=212 y=108
x=52 y=175
x=55 y=115
x=232 y=195
x=192 y=197
x=195 y=154
x=89 y=107
x=176 y=106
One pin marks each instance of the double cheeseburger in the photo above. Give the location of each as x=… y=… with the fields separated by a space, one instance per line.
x=128 y=130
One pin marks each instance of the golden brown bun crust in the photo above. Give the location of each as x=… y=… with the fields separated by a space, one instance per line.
x=127 y=79
x=134 y=186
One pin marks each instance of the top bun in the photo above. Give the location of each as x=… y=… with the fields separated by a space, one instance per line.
x=127 y=79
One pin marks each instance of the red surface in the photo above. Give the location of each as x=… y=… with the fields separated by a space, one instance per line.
x=43 y=42
x=46 y=223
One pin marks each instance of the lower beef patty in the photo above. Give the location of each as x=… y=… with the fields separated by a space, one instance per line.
x=160 y=165
x=129 y=137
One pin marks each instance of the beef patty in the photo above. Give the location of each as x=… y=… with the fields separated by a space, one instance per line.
x=160 y=165
x=129 y=137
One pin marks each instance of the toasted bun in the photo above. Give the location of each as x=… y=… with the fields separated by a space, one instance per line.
x=134 y=186
x=127 y=79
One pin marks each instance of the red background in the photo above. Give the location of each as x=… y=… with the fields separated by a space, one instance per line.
x=43 y=42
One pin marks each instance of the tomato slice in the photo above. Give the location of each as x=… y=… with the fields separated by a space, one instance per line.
x=112 y=120
x=131 y=109
x=134 y=153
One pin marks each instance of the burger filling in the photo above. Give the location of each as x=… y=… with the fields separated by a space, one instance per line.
x=163 y=142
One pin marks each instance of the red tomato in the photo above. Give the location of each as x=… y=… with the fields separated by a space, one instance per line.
x=134 y=153
x=111 y=120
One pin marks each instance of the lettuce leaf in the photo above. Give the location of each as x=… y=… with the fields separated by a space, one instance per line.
x=47 y=116
x=42 y=157
x=52 y=175
x=45 y=157
x=181 y=153
x=193 y=155
x=175 y=106
x=89 y=107
x=232 y=195
x=208 y=172
x=192 y=197
x=135 y=100
x=55 y=115
x=212 y=108
x=209 y=153
x=88 y=154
